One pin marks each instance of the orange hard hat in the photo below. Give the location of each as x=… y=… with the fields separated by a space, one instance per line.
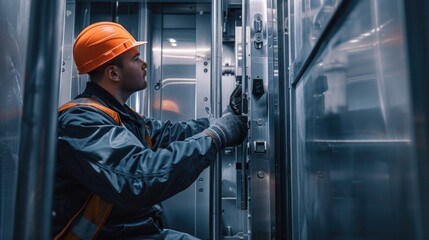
x=99 y=43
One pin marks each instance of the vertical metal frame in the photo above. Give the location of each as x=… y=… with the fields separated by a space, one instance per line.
x=203 y=100
x=263 y=110
x=155 y=74
x=216 y=87
x=38 y=128
x=67 y=63
x=283 y=190
x=417 y=27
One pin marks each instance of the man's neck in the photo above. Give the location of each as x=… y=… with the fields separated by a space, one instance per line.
x=116 y=92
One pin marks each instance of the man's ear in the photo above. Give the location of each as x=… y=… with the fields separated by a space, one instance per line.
x=112 y=73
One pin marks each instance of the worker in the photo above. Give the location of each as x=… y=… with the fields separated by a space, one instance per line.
x=115 y=167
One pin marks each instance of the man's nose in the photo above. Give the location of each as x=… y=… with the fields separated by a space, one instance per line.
x=144 y=65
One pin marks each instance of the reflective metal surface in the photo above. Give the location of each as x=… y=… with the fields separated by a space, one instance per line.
x=308 y=19
x=262 y=93
x=38 y=131
x=30 y=67
x=14 y=22
x=353 y=164
x=179 y=90
x=67 y=63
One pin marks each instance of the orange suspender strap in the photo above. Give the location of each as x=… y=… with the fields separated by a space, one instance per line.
x=88 y=221
x=106 y=110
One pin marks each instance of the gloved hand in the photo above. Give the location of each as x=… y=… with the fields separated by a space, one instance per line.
x=228 y=131
x=235 y=100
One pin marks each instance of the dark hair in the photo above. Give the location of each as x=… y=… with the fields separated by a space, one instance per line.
x=98 y=72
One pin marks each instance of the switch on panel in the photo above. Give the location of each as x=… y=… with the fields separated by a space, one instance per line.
x=260 y=146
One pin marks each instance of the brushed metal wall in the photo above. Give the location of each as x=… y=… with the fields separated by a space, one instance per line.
x=179 y=90
x=353 y=165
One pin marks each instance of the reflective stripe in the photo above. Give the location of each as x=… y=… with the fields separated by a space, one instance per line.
x=84 y=229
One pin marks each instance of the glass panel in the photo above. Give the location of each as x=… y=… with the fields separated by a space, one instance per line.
x=352 y=160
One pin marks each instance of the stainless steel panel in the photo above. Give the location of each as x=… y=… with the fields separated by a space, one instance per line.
x=203 y=100
x=67 y=63
x=234 y=219
x=261 y=90
x=353 y=161
x=14 y=22
x=82 y=20
x=177 y=102
x=179 y=90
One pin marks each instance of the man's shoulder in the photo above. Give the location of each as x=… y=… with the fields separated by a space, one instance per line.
x=87 y=110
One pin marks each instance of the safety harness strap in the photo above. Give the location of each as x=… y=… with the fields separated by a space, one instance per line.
x=88 y=221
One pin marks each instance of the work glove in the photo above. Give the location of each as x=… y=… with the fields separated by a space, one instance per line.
x=228 y=131
x=235 y=101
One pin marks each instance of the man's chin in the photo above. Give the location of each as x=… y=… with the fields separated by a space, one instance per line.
x=143 y=87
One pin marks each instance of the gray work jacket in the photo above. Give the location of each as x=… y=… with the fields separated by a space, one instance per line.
x=95 y=154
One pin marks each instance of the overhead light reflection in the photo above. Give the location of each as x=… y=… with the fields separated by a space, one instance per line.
x=189 y=51
x=179 y=56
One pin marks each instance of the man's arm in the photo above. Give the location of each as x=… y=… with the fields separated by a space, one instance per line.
x=163 y=133
x=110 y=161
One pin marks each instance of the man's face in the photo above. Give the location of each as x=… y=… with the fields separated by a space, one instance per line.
x=133 y=71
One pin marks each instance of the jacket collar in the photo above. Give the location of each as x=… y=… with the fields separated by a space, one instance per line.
x=93 y=90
